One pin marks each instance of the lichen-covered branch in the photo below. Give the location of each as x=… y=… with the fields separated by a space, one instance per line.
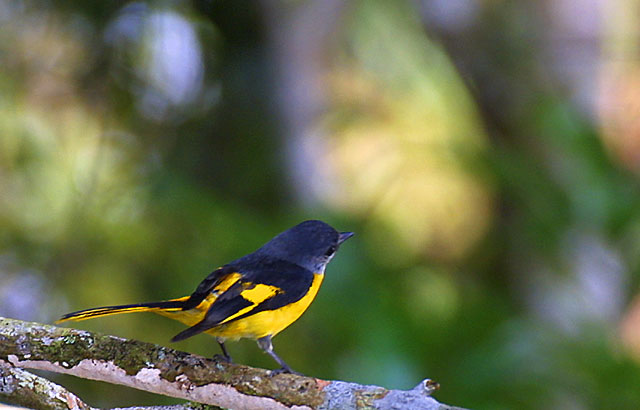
x=29 y=390
x=173 y=373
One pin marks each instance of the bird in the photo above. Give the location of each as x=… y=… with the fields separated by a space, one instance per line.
x=255 y=296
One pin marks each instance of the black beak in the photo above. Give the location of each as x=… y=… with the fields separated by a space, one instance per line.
x=344 y=236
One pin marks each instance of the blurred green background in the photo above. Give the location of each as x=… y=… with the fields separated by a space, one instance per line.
x=486 y=153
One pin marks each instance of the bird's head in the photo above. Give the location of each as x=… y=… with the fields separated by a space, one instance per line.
x=310 y=244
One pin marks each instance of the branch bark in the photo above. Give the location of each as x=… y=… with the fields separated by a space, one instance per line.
x=27 y=389
x=173 y=373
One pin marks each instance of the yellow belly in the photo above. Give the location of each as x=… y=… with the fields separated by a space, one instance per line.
x=265 y=323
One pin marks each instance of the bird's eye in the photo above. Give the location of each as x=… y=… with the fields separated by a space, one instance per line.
x=330 y=251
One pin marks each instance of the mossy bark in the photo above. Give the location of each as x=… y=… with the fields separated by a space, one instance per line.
x=179 y=374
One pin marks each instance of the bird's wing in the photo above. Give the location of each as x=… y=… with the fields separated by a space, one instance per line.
x=217 y=282
x=268 y=286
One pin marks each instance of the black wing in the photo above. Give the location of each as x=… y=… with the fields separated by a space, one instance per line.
x=266 y=285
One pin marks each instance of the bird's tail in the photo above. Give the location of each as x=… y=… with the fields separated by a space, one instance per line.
x=167 y=306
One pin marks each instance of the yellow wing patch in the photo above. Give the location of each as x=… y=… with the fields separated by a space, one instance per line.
x=255 y=294
x=259 y=293
x=226 y=283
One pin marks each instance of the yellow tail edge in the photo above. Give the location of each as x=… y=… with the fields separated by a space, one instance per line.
x=171 y=305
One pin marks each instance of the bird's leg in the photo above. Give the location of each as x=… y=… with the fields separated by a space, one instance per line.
x=225 y=356
x=266 y=345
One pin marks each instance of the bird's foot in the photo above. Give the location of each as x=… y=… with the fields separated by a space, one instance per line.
x=222 y=358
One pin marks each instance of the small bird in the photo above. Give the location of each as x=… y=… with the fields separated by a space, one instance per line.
x=256 y=296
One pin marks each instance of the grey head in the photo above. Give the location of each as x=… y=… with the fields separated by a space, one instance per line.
x=310 y=244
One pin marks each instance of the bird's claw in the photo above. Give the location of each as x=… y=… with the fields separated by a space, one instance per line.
x=222 y=358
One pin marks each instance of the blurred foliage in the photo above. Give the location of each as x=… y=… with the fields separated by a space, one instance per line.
x=406 y=143
x=491 y=180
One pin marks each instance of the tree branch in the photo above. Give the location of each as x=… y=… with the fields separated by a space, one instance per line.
x=27 y=389
x=173 y=373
